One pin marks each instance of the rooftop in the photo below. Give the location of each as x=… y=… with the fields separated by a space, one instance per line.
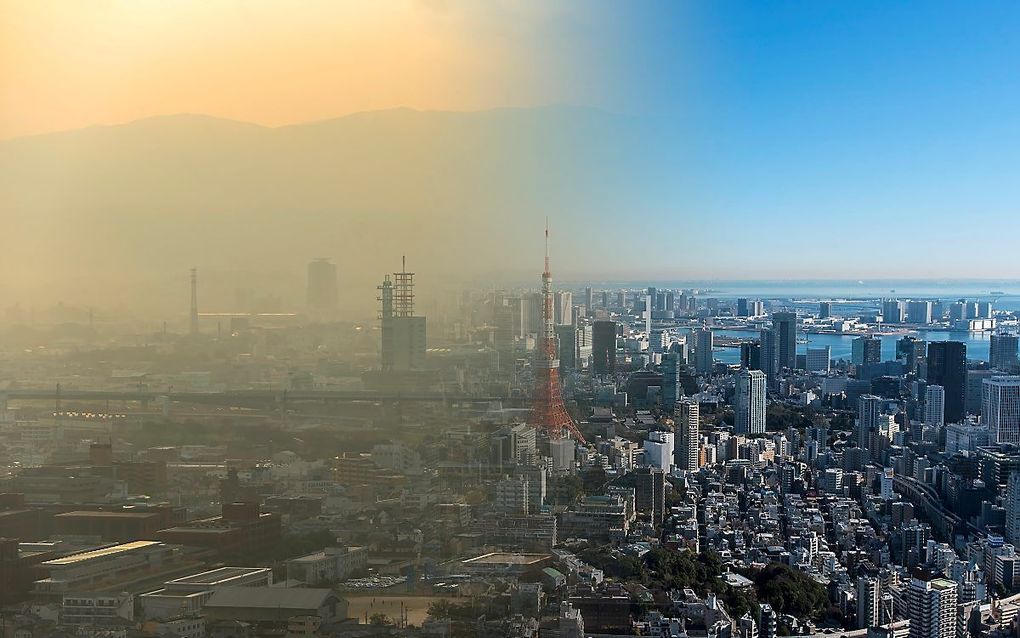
x=499 y=558
x=100 y=553
x=215 y=576
x=105 y=514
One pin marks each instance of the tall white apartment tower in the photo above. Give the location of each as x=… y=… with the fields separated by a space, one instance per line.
x=686 y=416
x=935 y=405
x=1000 y=408
x=749 y=404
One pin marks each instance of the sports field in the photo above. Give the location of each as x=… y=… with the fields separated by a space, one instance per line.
x=416 y=607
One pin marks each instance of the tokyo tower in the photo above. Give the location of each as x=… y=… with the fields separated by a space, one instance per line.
x=547 y=410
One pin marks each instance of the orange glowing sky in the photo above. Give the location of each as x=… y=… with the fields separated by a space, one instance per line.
x=66 y=63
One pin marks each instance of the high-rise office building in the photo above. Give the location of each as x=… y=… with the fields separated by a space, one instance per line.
x=866 y=350
x=935 y=405
x=748 y=307
x=931 y=606
x=1013 y=509
x=648 y=314
x=869 y=411
x=824 y=309
x=686 y=417
x=1000 y=408
x=749 y=402
x=321 y=293
x=750 y=356
x=784 y=325
x=568 y=347
x=947 y=367
x=563 y=307
x=818 y=359
x=769 y=356
x=742 y=307
x=912 y=352
x=919 y=312
x=589 y=299
x=703 y=355
x=893 y=311
x=671 y=389
x=650 y=492
x=1002 y=353
x=603 y=349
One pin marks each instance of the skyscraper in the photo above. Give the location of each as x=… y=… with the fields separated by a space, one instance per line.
x=1000 y=408
x=563 y=308
x=321 y=294
x=1013 y=509
x=818 y=359
x=784 y=324
x=703 y=356
x=869 y=409
x=567 y=343
x=742 y=307
x=750 y=356
x=603 y=349
x=893 y=311
x=865 y=350
x=824 y=309
x=935 y=405
x=1002 y=353
x=686 y=419
x=919 y=312
x=913 y=352
x=671 y=390
x=589 y=299
x=769 y=357
x=947 y=367
x=749 y=402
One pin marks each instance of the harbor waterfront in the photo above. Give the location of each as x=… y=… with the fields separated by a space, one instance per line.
x=840 y=345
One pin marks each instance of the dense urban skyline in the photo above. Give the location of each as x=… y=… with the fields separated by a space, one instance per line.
x=461 y=319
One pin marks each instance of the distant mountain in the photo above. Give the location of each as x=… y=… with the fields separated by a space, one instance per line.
x=114 y=214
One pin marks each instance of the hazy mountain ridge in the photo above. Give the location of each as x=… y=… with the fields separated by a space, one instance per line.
x=454 y=191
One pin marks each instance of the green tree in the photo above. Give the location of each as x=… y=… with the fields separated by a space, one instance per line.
x=379 y=619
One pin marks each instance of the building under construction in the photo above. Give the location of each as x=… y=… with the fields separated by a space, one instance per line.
x=403 y=333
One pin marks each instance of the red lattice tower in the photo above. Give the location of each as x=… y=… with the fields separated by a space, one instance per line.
x=547 y=410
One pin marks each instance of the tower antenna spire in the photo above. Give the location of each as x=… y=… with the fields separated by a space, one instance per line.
x=547 y=244
x=548 y=412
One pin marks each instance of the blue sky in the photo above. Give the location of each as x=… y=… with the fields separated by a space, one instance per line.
x=888 y=131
